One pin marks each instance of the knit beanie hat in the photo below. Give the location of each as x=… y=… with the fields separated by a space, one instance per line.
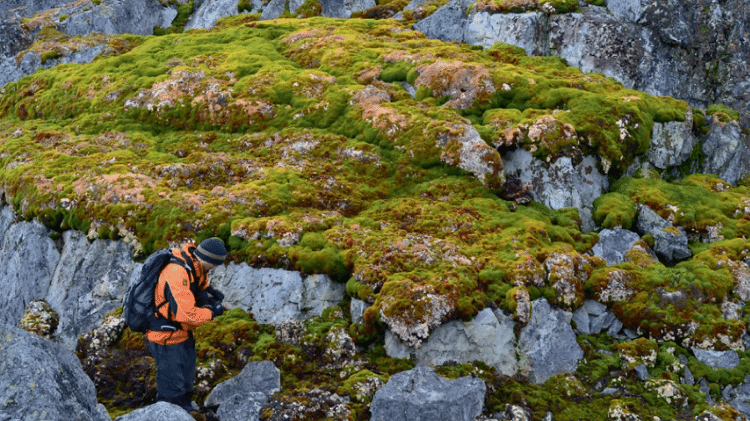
x=212 y=251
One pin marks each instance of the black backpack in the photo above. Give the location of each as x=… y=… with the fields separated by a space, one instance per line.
x=138 y=307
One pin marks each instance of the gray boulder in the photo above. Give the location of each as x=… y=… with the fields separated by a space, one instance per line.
x=520 y=29
x=614 y=244
x=276 y=296
x=257 y=376
x=547 y=344
x=446 y=23
x=41 y=381
x=421 y=395
x=242 y=407
x=137 y=17
x=560 y=184
x=740 y=397
x=488 y=337
x=727 y=154
x=210 y=11
x=717 y=359
x=89 y=283
x=31 y=62
x=672 y=143
x=156 y=412
x=344 y=8
x=357 y=309
x=670 y=243
x=30 y=258
x=593 y=318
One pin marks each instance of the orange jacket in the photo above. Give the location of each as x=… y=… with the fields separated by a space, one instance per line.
x=187 y=314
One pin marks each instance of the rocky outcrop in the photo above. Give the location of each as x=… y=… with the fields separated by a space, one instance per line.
x=82 y=281
x=614 y=244
x=489 y=337
x=210 y=11
x=30 y=258
x=560 y=184
x=689 y=51
x=157 y=411
x=274 y=295
x=256 y=379
x=421 y=394
x=670 y=243
x=72 y=18
x=547 y=344
x=42 y=381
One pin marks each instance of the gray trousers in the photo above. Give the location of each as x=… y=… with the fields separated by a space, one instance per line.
x=175 y=368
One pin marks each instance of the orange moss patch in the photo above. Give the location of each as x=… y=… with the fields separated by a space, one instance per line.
x=462 y=82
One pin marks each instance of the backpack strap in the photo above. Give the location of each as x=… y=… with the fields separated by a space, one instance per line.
x=166 y=323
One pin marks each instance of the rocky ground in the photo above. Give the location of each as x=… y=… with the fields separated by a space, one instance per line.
x=560 y=243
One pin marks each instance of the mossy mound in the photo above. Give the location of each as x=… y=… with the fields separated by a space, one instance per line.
x=266 y=132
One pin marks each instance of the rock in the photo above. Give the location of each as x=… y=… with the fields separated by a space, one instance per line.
x=446 y=23
x=670 y=243
x=593 y=317
x=290 y=332
x=275 y=8
x=357 y=309
x=547 y=344
x=471 y=152
x=137 y=17
x=42 y=381
x=717 y=359
x=242 y=407
x=344 y=8
x=89 y=283
x=641 y=371
x=339 y=349
x=157 y=411
x=741 y=396
x=560 y=184
x=421 y=394
x=30 y=62
x=687 y=377
x=30 y=258
x=488 y=338
x=257 y=376
x=274 y=295
x=520 y=29
x=727 y=155
x=39 y=318
x=672 y=143
x=516 y=413
x=209 y=12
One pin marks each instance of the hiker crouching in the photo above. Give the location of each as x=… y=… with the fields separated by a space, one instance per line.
x=184 y=298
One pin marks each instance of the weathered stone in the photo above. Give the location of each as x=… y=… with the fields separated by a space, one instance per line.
x=446 y=24
x=614 y=244
x=421 y=394
x=242 y=407
x=42 y=381
x=520 y=29
x=157 y=411
x=209 y=12
x=275 y=296
x=670 y=243
x=257 y=376
x=672 y=143
x=717 y=359
x=89 y=283
x=307 y=404
x=472 y=152
x=344 y=8
x=30 y=258
x=357 y=309
x=137 y=17
x=727 y=155
x=560 y=184
x=547 y=344
x=488 y=337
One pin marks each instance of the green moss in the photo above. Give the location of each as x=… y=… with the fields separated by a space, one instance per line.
x=613 y=210
x=723 y=113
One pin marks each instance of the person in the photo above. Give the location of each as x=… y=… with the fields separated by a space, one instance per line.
x=182 y=297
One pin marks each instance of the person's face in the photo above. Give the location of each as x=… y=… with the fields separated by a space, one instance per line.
x=208 y=266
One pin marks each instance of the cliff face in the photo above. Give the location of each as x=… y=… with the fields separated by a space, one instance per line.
x=596 y=233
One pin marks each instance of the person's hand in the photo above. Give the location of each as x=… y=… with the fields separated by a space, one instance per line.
x=217 y=310
x=215 y=293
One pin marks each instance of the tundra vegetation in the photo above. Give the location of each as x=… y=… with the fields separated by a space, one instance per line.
x=298 y=143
